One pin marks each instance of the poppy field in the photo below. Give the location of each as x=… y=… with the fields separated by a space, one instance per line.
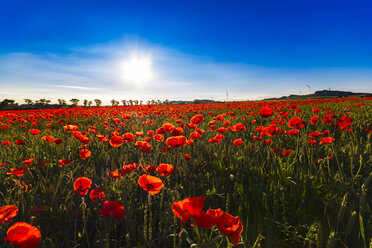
x=244 y=174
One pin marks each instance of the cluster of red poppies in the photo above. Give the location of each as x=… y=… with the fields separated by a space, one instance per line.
x=192 y=208
x=181 y=128
x=20 y=234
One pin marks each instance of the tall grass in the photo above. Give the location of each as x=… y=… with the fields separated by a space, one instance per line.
x=306 y=199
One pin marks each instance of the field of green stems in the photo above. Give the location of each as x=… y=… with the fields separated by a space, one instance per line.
x=244 y=174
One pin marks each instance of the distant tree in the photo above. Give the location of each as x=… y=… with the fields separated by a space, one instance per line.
x=28 y=101
x=124 y=102
x=90 y=103
x=148 y=102
x=42 y=102
x=7 y=102
x=62 y=102
x=141 y=102
x=98 y=102
x=114 y=102
x=85 y=102
x=130 y=102
x=159 y=102
x=74 y=102
x=166 y=102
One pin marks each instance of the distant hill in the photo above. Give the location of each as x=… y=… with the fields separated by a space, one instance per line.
x=323 y=94
x=196 y=101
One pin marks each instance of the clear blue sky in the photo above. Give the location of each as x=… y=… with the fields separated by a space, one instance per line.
x=198 y=49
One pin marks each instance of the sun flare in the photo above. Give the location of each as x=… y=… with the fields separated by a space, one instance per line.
x=137 y=70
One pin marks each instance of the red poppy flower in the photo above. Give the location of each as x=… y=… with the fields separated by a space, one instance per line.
x=226 y=123
x=314 y=134
x=276 y=149
x=158 y=137
x=115 y=174
x=212 y=127
x=126 y=116
x=328 y=119
x=215 y=213
x=19 y=142
x=205 y=221
x=293 y=132
x=7 y=213
x=316 y=110
x=129 y=167
x=177 y=131
x=195 y=135
x=84 y=139
x=113 y=208
x=138 y=134
x=219 y=118
x=28 y=161
x=227 y=224
x=34 y=131
x=160 y=130
x=231 y=226
x=238 y=142
x=238 y=127
x=191 y=125
x=17 y=171
x=217 y=139
x=150 y=132
x=96 y=194
x=287 y=152
x=82 y=185
x=326 y=140
x=5 y=127
x=344 y=122
x=71 y=127
x=64 y=162
x=6 y=143
x=296 y=122
x=189 y=207
x=168 y=127
x=176 y=141
x=221 y=129
x=148 y=168
x=57 y=141
x=48 y=138
x=85 y=153
x=128 y=137
x=196 y=119
x=145 y=146
x=151 y=184
x=165 y=169
x=23 y=235
x=187 y=157
x=266 y=112
x=116 y=141
x=314 y=120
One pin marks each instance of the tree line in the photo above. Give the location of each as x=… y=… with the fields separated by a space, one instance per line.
x=44 y=103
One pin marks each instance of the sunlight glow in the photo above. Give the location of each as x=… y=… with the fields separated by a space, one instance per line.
x=138 y=70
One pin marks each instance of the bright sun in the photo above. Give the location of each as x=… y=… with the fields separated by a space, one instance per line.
x=137 y=70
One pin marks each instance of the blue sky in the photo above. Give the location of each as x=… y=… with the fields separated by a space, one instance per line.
x=197 y=49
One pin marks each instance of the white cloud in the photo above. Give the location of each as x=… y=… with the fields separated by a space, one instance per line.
x=97 y=72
